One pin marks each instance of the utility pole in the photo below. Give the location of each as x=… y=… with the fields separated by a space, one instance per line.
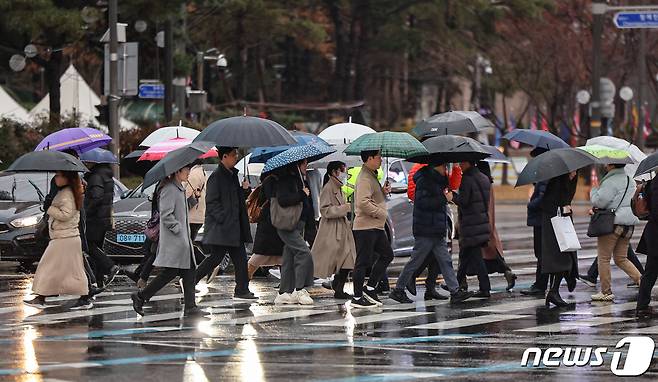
x=598 y=11
x=642 y=76
x=169 y=70
x=114 y=98
x=199 y=70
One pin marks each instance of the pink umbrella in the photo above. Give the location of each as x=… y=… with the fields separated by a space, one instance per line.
x=160 y=150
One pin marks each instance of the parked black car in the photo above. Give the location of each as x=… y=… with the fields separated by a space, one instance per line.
x=21 y=201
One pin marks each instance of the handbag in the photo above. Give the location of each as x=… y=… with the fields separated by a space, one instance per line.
x=192 y=201
x=41 y=231
x=602 y=223
x=565 y=233
x=640 y=204
x=152 y=230
x=285 y=218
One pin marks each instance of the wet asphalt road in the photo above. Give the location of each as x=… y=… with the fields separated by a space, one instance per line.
x=477 y=340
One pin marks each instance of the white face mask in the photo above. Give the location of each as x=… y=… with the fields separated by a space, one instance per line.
x=342 y=176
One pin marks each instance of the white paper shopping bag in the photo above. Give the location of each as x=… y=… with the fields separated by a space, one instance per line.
x=565 y=233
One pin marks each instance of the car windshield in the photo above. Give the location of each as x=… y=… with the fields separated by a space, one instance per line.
x=138 y=193
x=24 y=187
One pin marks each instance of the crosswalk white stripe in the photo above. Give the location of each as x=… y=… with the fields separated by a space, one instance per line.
x=505 y=307
x=575 y=324
x=48 y=318
x=161 y=317
x=415 y=305
x=161 y=297
x=273 y=317
x=371 y=318
x=470 y=321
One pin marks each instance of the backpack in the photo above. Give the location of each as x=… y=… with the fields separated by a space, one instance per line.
x=254 y=208
x=641 y=202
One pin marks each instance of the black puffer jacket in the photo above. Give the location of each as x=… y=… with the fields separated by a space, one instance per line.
x=473 y=203
x=99 y=197
x=430 y=218
x=267 y=241
x=226 y=222
x=534 y=205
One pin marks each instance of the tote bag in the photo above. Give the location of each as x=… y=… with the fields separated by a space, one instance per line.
x=565 y=233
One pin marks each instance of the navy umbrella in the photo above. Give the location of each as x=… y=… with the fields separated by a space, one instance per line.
x=175 y=160
x=537 y=138
x=298 y=153
x=47 y=161
x=263 y=154
x=98 y=155
x=244 y=131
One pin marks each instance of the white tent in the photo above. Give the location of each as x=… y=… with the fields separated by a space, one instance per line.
x=344 y=133
x=76 y=96
x=9 y=108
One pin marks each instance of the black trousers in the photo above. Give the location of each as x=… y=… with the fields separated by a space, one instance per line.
x=541 y=279
x=470 y=258
x=647 y=282
x=164 y=277
x=100 y=262
x=238 y=257
x=372 y=250
x=593 y=271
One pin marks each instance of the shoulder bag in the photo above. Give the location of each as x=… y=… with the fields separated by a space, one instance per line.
x=603 y=221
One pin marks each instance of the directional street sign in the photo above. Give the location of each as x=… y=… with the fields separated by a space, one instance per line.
x=154 y=91
x=647 y=19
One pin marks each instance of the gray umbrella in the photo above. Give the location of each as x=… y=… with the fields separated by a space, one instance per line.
x=452 y=122
x=246 y=131
x=175 y=160
x=451 y=149
x=647 y=165
x=554 y=163
x=339 y=156
x=47 y=161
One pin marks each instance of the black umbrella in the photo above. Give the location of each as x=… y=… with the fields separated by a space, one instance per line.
x=135 y=154
x=47 y=161
x=138 y=167
x=452 y=122
x=537 y=138
x=647 y=165
x=554 y=163
x=246 y=131
x=176 y=160
x=452 y=149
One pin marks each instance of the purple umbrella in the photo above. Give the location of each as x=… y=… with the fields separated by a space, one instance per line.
x=80 y=139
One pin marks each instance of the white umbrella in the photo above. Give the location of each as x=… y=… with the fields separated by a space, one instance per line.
x=164 y=134
x=344 y=133
x=617 y=143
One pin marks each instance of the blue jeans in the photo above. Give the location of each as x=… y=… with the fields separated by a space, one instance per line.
x=424 y=247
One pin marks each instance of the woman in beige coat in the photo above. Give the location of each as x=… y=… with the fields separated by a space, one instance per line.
x=61 y=268
x=334 y=251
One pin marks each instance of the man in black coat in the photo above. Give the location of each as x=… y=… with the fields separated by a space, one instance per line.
x=226 y=227
x=538 y=288
x=649 y=245
x=473 y=203
x=99 y=197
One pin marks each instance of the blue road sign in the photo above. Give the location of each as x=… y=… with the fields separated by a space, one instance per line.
x=151 y=91
x=636 y=19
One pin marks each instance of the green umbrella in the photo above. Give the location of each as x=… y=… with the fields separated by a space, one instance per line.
x=389 y=143
x=608 y=155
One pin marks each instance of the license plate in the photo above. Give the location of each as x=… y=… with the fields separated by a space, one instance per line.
x=130 y=238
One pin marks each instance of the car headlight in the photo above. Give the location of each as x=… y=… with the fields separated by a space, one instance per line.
x=28 y=221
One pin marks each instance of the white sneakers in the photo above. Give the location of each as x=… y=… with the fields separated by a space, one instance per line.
x=603 y=297
x=297 y=297
x=302 y=297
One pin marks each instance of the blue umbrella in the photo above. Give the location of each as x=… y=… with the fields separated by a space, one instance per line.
x=537 y=138
x=263 y=154
x=98 y=155
x=296 y=154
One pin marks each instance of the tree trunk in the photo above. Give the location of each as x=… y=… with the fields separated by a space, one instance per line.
x=241 y=75
x=361 y=63
x=53 y=69
x=342 y=52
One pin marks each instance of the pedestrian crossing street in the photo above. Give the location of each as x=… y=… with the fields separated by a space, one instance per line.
x=115 y=309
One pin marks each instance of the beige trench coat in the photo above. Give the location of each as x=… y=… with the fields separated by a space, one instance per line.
x=334 y=247
x=196 y=185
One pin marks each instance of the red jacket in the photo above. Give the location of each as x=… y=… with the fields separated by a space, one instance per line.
x=455 y=179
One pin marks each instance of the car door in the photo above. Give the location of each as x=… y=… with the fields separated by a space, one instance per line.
x=400 y=210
